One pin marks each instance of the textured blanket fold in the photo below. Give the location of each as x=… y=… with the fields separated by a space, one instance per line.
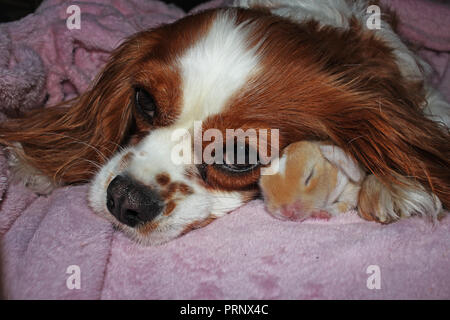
x=244 y=255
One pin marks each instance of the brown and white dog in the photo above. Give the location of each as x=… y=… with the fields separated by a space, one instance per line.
x=310 y=68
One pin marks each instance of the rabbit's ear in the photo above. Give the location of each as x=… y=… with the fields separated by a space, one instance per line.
x=343 y=162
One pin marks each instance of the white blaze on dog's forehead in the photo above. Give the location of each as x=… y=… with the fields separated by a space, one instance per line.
x=215 y=67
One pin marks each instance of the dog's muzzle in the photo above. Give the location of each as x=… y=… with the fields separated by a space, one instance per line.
x=131 y=202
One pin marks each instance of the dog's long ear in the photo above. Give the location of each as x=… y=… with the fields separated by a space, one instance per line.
x=391 y=138
x=381 y=123
x=68 y=142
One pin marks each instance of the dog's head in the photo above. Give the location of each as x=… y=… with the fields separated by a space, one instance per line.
x=200 y=133
x=161 y=116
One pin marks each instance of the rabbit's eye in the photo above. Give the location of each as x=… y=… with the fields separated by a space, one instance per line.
x=310 y=175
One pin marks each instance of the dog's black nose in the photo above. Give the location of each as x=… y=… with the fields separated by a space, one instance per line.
x=131 y=202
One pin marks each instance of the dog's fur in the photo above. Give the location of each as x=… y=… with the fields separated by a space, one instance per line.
x=310 y=68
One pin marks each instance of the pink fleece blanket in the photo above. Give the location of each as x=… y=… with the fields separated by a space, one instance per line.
x=245 y=255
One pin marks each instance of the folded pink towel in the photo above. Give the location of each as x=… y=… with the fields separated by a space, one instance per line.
x=245 y=255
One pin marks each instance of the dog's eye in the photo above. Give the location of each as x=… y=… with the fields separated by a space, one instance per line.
x=242 y=160
x=145 y=103
x=239 y=168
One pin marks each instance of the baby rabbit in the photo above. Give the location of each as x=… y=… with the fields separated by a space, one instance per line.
x=314 y=180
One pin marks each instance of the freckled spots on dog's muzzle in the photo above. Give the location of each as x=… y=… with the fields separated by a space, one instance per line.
x=132 y=203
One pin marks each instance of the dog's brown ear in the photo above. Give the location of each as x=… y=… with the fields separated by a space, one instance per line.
x=401 y=147
x=387 y=132
x=379 y=118
x=70 y=141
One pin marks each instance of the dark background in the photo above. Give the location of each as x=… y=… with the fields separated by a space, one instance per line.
x=11 y=10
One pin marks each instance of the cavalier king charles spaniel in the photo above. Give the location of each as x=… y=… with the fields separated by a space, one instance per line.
x=311 y=69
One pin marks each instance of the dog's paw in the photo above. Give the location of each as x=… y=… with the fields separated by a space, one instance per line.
x=389 y=203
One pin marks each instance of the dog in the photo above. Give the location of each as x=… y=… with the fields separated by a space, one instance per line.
x=311 y=69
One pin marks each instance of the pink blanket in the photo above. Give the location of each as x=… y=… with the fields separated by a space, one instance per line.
x=245 y=255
